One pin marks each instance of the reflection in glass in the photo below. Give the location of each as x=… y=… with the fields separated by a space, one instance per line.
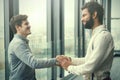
x=37 y=18
x=115 y=23
x=2 y=53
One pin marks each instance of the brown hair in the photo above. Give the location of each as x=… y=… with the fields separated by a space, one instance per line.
x=17 y=20
x=94 y=6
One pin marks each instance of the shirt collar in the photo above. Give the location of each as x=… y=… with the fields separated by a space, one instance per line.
x=21 y=37
x=98 y=29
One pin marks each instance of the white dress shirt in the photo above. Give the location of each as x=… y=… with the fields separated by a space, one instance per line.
x=99 y=55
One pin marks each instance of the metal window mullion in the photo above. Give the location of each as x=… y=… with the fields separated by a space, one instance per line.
x=77 y=28
x=6 y=36
x=13 y=10
x=10 y=9
x=53 y=75
x=62 y=47
x=15 y=7
x=82 y=31
x=49 y=34
x=56 y=33
x=104 y=16
x=108 y=14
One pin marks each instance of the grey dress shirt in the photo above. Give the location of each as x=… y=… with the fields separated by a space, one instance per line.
x=21 y=61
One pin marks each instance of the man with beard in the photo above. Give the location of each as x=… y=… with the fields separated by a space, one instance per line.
x=99 y=56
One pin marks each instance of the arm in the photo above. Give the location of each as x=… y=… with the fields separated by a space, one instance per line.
x=78 y=61
x=74 y=61
x=25 y=55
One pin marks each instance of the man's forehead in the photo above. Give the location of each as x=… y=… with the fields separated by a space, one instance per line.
x=85 y=10
x=24 y=21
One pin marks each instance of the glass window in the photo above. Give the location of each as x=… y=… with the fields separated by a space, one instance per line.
x=88 y=34
x=115 y=23
x=38 y=39
x=87 y=0
x=69 y=28
x=2 y=53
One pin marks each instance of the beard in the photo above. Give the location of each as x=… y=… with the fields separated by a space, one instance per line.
x=89 y=24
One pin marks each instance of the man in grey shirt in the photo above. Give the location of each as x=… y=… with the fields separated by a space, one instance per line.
x=22 y=62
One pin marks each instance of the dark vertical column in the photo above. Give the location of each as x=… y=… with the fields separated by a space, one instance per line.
x=108 y=12
x=13 y=10
x=62 y=47
x=49 y=34
x=55 y=32
x=10 y=9
x=77 y=29
x=107 y=16
x=53 y=46
x=82 y=31
x=6 y=36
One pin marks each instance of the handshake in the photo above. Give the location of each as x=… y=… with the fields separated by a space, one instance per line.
x=63 y=61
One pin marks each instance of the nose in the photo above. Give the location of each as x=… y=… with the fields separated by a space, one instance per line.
x=29 y=26
x=81 y=19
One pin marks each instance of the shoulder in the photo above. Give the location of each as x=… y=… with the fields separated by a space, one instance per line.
x=15 y=43
x=104 y=36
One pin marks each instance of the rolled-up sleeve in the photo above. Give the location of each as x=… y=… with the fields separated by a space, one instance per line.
x=78 y=61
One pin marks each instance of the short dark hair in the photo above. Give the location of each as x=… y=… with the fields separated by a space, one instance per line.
x=93 y=6
x=17 y=20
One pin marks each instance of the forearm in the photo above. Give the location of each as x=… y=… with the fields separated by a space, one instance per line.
x=77 y=61
x=43 y=63
x=25 y=55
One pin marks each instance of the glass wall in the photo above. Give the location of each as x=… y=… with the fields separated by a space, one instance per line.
x=115 y=23
x=88 y=34
x=69 y=27
x=2 y=53
x=37 y=16
x=36 y=11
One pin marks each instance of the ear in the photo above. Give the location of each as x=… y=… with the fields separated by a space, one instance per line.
x=94 y=15
x=17 y=27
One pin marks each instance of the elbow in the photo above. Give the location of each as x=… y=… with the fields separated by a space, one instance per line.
x=89 y=70
x=32 y=66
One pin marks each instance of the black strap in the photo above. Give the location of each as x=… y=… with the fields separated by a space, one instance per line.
x=92 y=76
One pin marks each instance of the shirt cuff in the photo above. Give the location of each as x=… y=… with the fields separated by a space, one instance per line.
x=56 y=62
x=74 y=70
x=69 y=69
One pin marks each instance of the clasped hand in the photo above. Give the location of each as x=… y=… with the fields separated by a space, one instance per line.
x=64 y=61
